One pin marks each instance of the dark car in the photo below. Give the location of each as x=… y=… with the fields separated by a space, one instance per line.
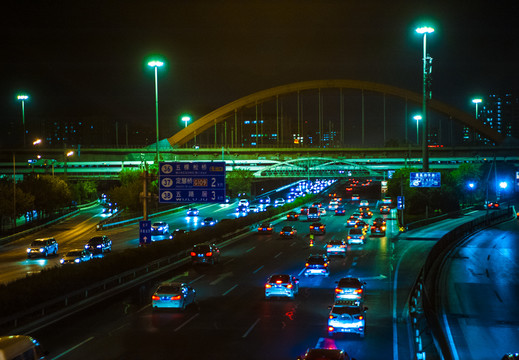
x=325 y=354
x=492 y=205
x=99 y=245
x=192 y=212
x=317 y=265
x=340 y=211
x=293 y=216
x=317 y=228
x=205 y=253
x=288 y=232
x=350 y=288
x=265 y=228
x=304 y=210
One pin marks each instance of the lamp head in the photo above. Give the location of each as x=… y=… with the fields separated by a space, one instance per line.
x=476 y=101
x=155 y=63
x=425 y=30
x=417 y=117
x=22 y=97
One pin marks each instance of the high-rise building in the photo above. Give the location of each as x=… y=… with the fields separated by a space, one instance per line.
x=501 y=113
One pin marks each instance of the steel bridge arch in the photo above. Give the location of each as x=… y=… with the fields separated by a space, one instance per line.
x=224 y=112
x=317 y=167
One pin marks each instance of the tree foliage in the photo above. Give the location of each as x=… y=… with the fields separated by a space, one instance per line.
x=24 y=200
x=127 y=196
x=239 y=181
x=50 y=193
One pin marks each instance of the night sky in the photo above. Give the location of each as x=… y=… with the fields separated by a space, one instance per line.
x=88 y=58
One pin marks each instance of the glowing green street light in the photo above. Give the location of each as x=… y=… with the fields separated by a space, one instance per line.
x=22 y=98
x=477 y=101
x=156 y=64
x=425 y=149
x=185 y=119
x=417 y=118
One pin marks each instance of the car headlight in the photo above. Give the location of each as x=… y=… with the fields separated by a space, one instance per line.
x=99 y=246
x=42 y=249
x=28 y=250
x=77 y=261
x=87 y=246
x=61 y=261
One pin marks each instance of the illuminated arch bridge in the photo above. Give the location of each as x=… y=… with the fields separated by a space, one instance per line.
x=314 y=167
x=231 y=123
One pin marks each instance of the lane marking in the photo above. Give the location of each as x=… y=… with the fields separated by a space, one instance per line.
x=73 y=348
x=186 y=322
x=220 y=278
x=229 y=261
x=278 y=254
x=258 y=269
x=302 y=271
x=198 y=278
x=293 y=243
x=252 y=248
x=250 y=329
x=231 y=289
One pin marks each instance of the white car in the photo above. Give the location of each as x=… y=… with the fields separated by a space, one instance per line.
x=254 y=208
x=243 y=202
x=281 y=285
x=279 y=202
x=347 y=317
x=76 y=256
x=173 y=295
x=159 y=228
x=364 y=203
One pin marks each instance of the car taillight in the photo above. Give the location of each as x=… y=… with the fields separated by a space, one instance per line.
x=307 y=264
x=193 y=253
x=361 y=317
x=349 y=237
x=362 y=237
x=338 y=291
x=291 y=232
x=343 y=246
x=209 y=254
x=268 y=229
x=358 y=291
x=325 y=264
x=278 y=281
x=321 y=227
x=268 y=286
x=328 y=246
x=289 y=286
x=281 y=233
x=155 y=297
x=176 y=297
x=260 y=229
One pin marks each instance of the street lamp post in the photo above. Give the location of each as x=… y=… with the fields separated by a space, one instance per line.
x=22 y=98
x=477 y=101
x=156 y=64
x=185 y=119
x=417 y=118
x=426 y=61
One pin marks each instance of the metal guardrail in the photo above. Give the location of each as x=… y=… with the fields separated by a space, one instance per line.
x=424 y=294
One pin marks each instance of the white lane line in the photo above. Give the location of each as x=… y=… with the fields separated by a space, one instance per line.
x=258 y=269
x=293 y=243
x=302 y=271
x=198 y=278
x=252 y=248
x=186 y=322
x=278 y=255
x=449 y=336
x=228 y=261
x=73 y=348
x=231 y=289
x=250 y=329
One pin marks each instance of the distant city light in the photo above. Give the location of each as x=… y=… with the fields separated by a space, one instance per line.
x=36 y=142
x=70 y=153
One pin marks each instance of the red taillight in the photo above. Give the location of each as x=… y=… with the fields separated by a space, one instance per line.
x=155 y=297
x=268 y=229
x=328 y=246
x=325 y=264
x=306 y=265
x=260 y=229
x=321 y=227
x=288 y=216
x=291 y=232
x=496 y=205
x=330 y=328
x=278 y=281
x=361 y=317
x=209 y=254
x=358 y=291
x=343 y=246
x=176 y=297
x=338 y=291
x=289 y=286
x=349 y=237
x=193 y=253
x=268 y=286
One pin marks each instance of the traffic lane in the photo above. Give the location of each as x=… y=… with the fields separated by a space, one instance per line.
x=480 y=302
x=239 y=310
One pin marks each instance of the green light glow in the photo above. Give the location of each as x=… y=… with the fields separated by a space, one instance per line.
x=22 y=97
x=476 y=101
x=425 y=29
x=417 y=117
x=155 y=63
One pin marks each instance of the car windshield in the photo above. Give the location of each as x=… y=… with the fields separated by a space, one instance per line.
x=202 y=248
x=323 y=354
x=356 y=231
x=349 y=283
x=95 y=241
x=350 y=310
x=282 y=278
x=315 y=260
x=265 y=225
x=336 y=242
x=208 y=219
x=157 y=224
x=74 y=253
x=39 y=243
x=168 y=289
x=287 y=228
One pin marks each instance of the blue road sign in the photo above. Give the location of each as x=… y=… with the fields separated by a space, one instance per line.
x=188 y=182
x=400 y=202
x=425 y=179
x=144 y=232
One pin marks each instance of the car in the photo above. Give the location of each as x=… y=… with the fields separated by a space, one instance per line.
x=192 y=212
x=362 y=225
x=159 y=228
x=279 y=202
x=378 y=229
x=336 y=247
x=324 y=354
x=254 y=208
x=355 y=197
x=347 y=316
x=179 y=232
x=366 y=214
x=379 y=221
x=352 y=220
x=313 y=214
x=288 y=232
x=243 y=202
x=322 y=211
x=292 y=215
x=317 y=204
x=284 y=285
x=205 y=253
x=350 y=288
x=492 y=205
x=386 y=201
x=76 y=256
x=42 y=247
x=265 y=228
x=340 y=211
x=511 y=356
x=304 y=210
x=209 y=221
x=227 y=199
x=385 y=209
x=333 y=205
x=364 y=203
x=317 y=228
x=173 y=295
x=242 y=209
x=355 y=236
x=99 y=245
x=317 y=265
x=264 y=200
